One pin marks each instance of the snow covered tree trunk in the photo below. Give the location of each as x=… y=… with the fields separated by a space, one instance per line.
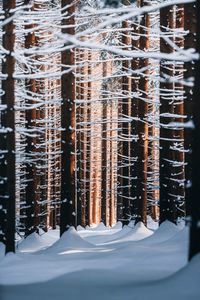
x=88 y=140
x=79 y=134
x=32 y=195
x=134 y=124
x=104 y=195
x=178 y=134
x=195 y=191
x=167 y=202
x=189 y=42
x=142 y=124
x=86 y=146
x=125 y=127
x=68 y=205
x=7 y=134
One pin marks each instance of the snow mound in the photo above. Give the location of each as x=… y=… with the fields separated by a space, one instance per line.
x=127 y=234
x=98 y=227
x=151 y=224
x=165 y=232
x=118 y=225
x=139 y=232
x=80 y=228
x=123 y=232
x=91 y=227
x=69 y=240
x=101 y=226
x=131 y=223
x=32 y=243
x=52 y=234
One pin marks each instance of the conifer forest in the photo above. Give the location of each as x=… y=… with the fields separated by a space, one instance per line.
x=99 y=149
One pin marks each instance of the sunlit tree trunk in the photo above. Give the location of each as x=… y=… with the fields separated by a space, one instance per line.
x=104 y=195
x=178 y=134
x=142 y=123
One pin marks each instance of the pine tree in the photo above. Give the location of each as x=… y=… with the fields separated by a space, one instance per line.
x=195 y=190
x=167 y=202
x=7 y=134
x=68 y=205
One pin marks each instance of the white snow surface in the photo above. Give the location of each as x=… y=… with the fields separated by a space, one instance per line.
x=102 y=263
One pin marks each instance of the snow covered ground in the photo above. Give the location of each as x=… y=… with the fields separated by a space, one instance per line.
x=102 y=263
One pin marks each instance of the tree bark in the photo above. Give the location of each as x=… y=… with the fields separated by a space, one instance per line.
x=7 y=135
x=167 y=203
x=194 y=247
x=68 y=205
x=134 y=124
x=190 y=25
x=32 y=177
x=142 y=124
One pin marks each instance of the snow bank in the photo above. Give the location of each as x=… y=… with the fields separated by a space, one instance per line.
x=139 y=232
x=69 y=240
x=131 y=223
x=163 y=233
x=32 y=243
x=98 y=227
x=118 y=225
x=80 y=228
x=151 y=224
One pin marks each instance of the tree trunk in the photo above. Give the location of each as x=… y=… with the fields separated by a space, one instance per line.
x=134 y=115
x=125 y=132
x=167 y=203
x=190 y=42
x=32 y=177
x=104 y=196
x=194 y=247
x=7 y=136
x=178 y=134
x=142 y=124
x=68 y=205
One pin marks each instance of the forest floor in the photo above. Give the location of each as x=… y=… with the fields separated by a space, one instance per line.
x=102 y=263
